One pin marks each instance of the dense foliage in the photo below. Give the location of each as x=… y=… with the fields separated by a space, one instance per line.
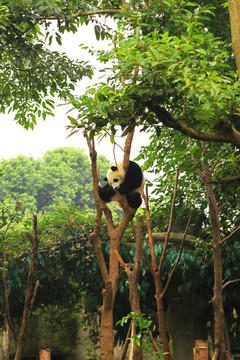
x=31 y=75
x=62 y=176
x=177 y=73
x=69 y=274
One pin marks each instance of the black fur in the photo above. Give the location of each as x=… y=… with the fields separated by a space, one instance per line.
x=106 y=193
x=133 y=180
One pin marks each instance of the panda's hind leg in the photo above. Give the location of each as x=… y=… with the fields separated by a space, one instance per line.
x=134 y=199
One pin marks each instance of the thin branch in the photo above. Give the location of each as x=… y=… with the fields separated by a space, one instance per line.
x=215 y=164
x=34 y=293
x=230 y=282
x=170 y=222
x=126 y=343
x=225 y=180
x=148 y=263
x=138 y=253
x=230 y=235
x=150 y=235
x=193 y=158
x=178 y=259
x=220 y=207
x=122 y=263
x=83 y=13
x=155 y=345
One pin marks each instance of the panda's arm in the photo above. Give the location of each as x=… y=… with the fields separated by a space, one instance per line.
x=106 y=193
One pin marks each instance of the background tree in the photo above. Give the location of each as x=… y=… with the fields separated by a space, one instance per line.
x=19 y=181
x=61 y=176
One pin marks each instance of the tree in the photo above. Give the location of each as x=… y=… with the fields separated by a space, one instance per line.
x=175 y=76
x=61 y=176
x=234 y=11
x=19 y=181
x=184 y=79
x=7 y=220
x=209 y=163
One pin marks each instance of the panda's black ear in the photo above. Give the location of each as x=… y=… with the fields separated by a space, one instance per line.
x=105 y=179
x=114 y=168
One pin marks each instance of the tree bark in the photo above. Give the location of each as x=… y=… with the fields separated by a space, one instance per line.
x=110 y=275
x=162 y=325
x=30 y=294
x=234 y=12
x=217 y=300
x=6 y=349
x=220 y=352
x=133 y=277
x=45 y=354
x=106 y=312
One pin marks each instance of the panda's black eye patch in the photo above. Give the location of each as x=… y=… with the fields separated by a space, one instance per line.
x=115 y=180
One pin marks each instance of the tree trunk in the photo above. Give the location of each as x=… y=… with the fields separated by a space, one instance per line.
x=106 y=311
x=6 y=349
x=133 y=277
x=162 y=325
x=30 y=294
x=45 y=354
x=217 y=300
x=234 y=11
x=110 y=276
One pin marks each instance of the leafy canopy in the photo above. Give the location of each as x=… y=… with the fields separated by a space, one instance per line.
x=166 y=67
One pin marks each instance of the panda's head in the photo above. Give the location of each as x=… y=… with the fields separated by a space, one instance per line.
x=116 y=175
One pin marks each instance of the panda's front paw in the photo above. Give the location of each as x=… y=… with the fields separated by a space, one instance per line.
x=106 y=193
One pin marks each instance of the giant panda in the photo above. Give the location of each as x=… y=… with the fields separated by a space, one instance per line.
x=129 y=183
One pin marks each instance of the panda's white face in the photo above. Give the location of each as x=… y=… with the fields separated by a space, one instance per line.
x=116 y=177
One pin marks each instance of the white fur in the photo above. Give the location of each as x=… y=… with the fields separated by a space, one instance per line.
x=118 y=174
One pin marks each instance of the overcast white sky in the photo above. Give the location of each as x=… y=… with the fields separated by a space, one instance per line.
x=52 y=133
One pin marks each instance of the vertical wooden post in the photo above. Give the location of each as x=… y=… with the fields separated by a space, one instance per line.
x=200 y=351
x=45 y=354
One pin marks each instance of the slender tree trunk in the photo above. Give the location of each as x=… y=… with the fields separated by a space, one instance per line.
x=234 y=11
x=217 y=301
x=30 y=294
x=156 y=272
x=162 y=325
x=133 y=277
x=6 y=349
